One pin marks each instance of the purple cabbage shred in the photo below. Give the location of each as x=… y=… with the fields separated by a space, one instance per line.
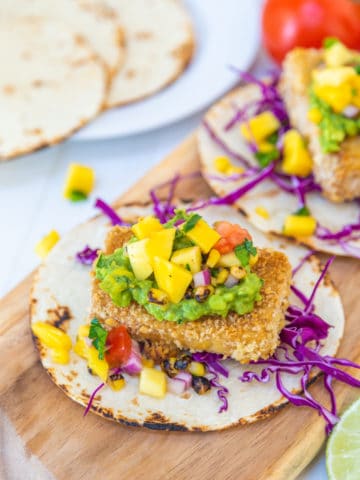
x=109 y=212
x=87 y=256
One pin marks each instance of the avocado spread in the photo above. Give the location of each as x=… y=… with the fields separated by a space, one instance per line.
x=117 y=279
x=334 y=127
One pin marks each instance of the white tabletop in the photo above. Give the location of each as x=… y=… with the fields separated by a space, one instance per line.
x=31 y=202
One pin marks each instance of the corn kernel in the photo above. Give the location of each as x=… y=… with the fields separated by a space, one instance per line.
x=116 y=385
x=262 y=212
x=60 y=356
x=84 y=331
x=222 y=276
x=110 y=322
x=314 y=115
x=298 y=226
x=197 y=368
x=265 y=147
x=234 y=170
x=99 y=367
x=253 y=259
x=51 y=336
x=338 y=55
x=222 y=164
x=152 y=382
x=46 y=244
x=79 y=179
x=213 y=258
x=259 y=127
x=147 y=362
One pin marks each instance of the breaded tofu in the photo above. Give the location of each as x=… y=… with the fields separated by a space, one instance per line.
x=338 y=173
x=247 y=337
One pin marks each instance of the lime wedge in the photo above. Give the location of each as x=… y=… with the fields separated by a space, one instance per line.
x=343 y=447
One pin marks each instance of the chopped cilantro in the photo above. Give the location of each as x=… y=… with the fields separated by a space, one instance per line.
x=244 y=251
x=357 y=69
x=180 y=215
x=191 y=222
x=77 y=196
x=181 y=240
x=214 y=271
x=273 y=138
x=330 y=41
x=265 y=158
x=98 y=335
x=187 y=266
x=302 y=212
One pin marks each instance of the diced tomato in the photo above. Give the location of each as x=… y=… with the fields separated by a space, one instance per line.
x=119 y=346
x=232 y=235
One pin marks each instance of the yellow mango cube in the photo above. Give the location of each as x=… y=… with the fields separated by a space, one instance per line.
x=46 y=244
x=338 y=55
x=203 y=235
x=161 y=244
x=338 y=97
x=172 y=279
x=297 y=159
x=299 y=226
x=152 y=382
x=97 y=366
x=260 y=127
x=147 y=362
x=314 y=115
x=266 y=147
x=222 y=164
x=146 y=226
x=188 y=256
x=228 y=260
x=140 y=259
x=334 y=77
x=213 y=258
x=60 y=356
x=80 y=179
x=84 y=331
x=81 y=348
x=197 y=368
x=51 y=336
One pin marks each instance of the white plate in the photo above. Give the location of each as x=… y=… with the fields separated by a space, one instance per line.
x=227 y=33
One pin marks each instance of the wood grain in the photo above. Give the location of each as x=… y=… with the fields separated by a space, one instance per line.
x=74 y=448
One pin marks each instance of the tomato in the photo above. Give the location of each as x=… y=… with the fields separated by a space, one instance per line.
x=118 y=342
x=305 y=23
x=232 y=235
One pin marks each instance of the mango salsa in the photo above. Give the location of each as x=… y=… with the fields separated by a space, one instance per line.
x=297 y=159
x=80 y=180
x=338 y=55
x=146 y=226
x=140 y=259
x=260 y=127
x=299 y=226
x=190 y=256
x=213 y=258
x=172 y=279
x=46 y=244
x=152 y=382
x=51 y=336
x=97 y=366
x=161 y=244
x=203 y=235
x=333 y=76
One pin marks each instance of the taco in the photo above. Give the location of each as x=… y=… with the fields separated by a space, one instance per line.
x=287 y=157
x=145 y=336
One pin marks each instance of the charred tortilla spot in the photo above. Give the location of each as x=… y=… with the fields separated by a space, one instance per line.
x=59 y=317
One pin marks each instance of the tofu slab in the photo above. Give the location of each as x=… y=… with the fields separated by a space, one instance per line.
x=243 y=338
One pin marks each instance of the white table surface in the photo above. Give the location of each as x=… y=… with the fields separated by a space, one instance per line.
x=31 y=204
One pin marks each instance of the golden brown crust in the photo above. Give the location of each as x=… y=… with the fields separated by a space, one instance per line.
x=337 y=173
x=244 y=338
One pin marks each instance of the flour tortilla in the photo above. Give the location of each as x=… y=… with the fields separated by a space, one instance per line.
x=51 y=84
x=159 y=45
x=95 y=20
x=278 y=203
x=61 y=295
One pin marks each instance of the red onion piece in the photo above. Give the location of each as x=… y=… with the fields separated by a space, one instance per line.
x=350 y=111
x=185 y=377
x=180 y=383
x=231 y=281
x=133 y=366
x=202 y=278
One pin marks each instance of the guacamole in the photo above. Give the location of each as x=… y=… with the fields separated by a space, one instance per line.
x=116 y=278
x=334 y=127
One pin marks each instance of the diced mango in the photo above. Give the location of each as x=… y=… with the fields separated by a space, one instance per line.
x=84 y=331
x=140 y=259
x=299 y=226
x=197 y=368
x=81 y=348
x=146 y=226
x=260 y=127
x=46 y=244
x=51 y=336
x=188 y=256
x=60 y=356
x=334 y=77
x=97 y=366
x=116 y=385
x=79 y=179
x=161 y=244
x=228 y=260
x=262 y=212
x=338 y=55
x=297 y=159
x=224 y=165
x=213 y=258
x=222 y=276
x=253 y=259
x=338 y=97
x=172 y=279
x=203 y=235
x=152 y=382
x=314 y=115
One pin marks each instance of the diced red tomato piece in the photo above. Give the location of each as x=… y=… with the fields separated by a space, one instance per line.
x=232 y=235
x=118 y=342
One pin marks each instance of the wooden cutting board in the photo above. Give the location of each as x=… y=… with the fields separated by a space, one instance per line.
x=74 y=448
